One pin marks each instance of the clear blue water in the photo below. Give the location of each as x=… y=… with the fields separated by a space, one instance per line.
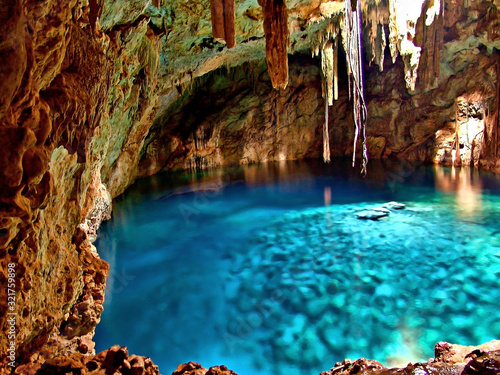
x=267 y=269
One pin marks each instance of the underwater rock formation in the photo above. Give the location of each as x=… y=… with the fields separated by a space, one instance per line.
x=92 y=96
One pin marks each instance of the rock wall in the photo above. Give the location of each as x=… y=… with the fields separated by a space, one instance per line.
x=72 y=109
x=95 y=93
x=237 y=117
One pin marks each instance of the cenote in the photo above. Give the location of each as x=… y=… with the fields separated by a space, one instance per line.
x=267 y=269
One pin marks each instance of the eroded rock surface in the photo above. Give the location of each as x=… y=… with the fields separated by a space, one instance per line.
x=116 y=360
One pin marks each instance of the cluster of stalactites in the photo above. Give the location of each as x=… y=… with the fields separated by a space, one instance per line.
x=222 y=15
x=277 y=40
x=411 y=24
x=275 y=29
x=375 y=17
x=403 y=18
x=328 y=49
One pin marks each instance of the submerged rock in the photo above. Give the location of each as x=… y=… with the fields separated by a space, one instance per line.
x=371 y=215
x=394 y=205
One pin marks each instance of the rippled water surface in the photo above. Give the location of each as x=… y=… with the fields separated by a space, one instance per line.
x=268 y=270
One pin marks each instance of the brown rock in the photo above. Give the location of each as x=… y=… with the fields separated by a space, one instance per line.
x=220 y=370
x=483 y=363
x=190 y=368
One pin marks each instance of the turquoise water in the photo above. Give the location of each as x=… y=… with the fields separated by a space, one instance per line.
x=268 y=270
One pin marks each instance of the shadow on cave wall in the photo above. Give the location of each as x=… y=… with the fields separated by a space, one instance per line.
x=235 y=116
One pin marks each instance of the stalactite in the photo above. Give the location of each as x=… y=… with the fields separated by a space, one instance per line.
x=229 y=27
x=95 y=12
x=326 y=136
x=458 y=158
x=393 y=30
x=403 y=19
x=277 y=38
x=335 y=70
x=217 y=16
x=327 y=69
x=222 y=15
x=327 y=63
x=352 y=40
x=430 y=33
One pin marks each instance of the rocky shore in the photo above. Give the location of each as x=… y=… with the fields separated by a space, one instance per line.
x=449 y=360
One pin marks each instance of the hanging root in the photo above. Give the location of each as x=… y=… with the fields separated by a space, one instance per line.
x=354 y=63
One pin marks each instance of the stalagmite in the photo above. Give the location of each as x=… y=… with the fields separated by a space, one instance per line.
x=222 y=14
x=277 y=37
x=352 y=40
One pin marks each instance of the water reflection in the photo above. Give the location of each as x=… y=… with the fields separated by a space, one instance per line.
x=467 y=186
x=328 y=195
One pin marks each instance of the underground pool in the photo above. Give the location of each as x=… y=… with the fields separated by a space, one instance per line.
x=270 y=269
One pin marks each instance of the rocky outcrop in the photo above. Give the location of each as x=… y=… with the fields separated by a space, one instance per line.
x=96 y=93
x=194 y=368
x=115 y=360
x=449 y=359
